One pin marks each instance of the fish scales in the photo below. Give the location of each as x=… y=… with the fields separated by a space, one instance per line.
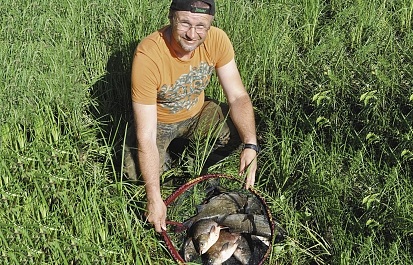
x=221 y=219
x=254 y=206
x=223 y=249
x=189 y=251
x=204 y=234
x=247 y=223
x=219 y=206
x=243 y=252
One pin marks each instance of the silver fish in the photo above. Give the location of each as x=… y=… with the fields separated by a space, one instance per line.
x=263 y=239
x=223 y=249
x=243 y=252
x=204 y=234
x=219 y=206
x=247 y=223
x=254 y=206
x=189 y=251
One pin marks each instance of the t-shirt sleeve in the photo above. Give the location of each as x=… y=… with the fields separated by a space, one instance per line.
x=144 y=78
x=221 y=48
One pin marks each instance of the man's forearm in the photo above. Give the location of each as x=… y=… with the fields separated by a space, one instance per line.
x=149 y=163
x=242 y=115
x=148 y=158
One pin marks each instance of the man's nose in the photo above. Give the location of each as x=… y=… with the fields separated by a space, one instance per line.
x=192 y=34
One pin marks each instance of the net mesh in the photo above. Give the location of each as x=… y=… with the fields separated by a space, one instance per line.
x=183 y=204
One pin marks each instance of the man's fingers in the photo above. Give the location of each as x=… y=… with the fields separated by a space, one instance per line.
x=248 y=166
x=250 y=180
x=163 y=225
x=241 y=169
x=158 y=227
x=156 y=215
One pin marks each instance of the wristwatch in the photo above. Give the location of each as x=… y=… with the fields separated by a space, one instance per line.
x=253 y=147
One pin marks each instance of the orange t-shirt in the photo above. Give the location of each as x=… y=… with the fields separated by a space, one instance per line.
x=175 y=86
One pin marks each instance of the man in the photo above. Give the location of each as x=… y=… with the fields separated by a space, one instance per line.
x=170 y=70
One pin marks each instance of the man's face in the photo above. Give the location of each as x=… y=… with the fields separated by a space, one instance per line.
x=190 y=29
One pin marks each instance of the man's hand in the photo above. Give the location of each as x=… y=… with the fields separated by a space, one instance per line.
x=156 y=214
x=248 y=163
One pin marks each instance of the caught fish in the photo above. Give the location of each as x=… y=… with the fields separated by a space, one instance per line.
x=247 y=223
x=228 y=228
x=204 y=234
x=258 y=247
x=243 y=252
x=189 y=251
x=254 y=206
x=219 y=206
x=264 y=240
x=223 y=249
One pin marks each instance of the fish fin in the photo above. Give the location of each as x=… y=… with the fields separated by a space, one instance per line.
x=222 y=218
x=250 y=216
x=188 y=223
x=222 y=227
x=215 y=229
x=188 y=241
x=200 y=208
x=214 y=189
x=225 y=246
x=263 y=239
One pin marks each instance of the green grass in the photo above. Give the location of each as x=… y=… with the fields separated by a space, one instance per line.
x=332 y=85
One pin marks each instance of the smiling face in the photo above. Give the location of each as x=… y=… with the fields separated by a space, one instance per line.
x=189 y=30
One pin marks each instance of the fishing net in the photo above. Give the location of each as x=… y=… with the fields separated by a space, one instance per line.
x=182 y=205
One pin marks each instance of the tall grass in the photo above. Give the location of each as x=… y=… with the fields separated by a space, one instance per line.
x=331 y=83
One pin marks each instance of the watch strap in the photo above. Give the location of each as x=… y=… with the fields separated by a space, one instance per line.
x=253 y=147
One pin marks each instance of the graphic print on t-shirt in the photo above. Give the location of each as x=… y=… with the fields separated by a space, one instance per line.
x=184 y=94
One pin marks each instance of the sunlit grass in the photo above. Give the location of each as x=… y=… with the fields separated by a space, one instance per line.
x=331 y=84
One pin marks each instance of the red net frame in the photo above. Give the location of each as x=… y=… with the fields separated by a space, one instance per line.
x=173 y=251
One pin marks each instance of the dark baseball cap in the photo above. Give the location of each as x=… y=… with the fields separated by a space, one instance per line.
x=188 y=5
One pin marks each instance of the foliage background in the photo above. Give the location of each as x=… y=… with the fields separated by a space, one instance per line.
x=331 y=81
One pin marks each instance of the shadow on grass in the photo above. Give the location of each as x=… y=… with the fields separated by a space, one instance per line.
x=113 y=110
x=112 y=103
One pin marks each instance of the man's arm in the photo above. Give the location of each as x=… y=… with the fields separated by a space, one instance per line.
x=145 y=123
x=242 y=114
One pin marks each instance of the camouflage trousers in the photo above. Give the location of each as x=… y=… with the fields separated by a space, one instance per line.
x=211 y=122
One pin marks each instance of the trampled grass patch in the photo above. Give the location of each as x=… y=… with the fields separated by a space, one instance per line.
x=332 y=85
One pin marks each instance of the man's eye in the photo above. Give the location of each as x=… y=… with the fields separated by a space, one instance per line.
x=186 y=25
